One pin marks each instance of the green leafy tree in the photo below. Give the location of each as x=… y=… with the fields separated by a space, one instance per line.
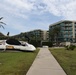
x=56 y=31
x=51 y=34
x=54 y=34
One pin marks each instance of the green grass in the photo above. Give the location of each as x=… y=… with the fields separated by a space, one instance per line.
x=16 y=63
x=67 y=59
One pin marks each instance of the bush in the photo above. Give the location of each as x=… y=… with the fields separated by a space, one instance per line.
x=50 y=44
x=39 y=44
x=71 y=47
x=67 y=47
x=35 y=43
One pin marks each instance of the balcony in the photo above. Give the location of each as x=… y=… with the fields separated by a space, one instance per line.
x=67 y=25
x=67 y=29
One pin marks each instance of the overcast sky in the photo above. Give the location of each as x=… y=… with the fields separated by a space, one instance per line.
x=25 y=15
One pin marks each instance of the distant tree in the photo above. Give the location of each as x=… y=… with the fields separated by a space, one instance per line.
x=51 y=34
x=26 y=36
x=2 y=23
x=54 y=33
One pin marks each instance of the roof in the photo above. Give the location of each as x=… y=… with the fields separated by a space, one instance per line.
x=61 y=22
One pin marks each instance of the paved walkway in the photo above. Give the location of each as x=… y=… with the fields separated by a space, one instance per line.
x=45 y=64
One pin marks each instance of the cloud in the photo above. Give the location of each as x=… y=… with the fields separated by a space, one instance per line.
x=36 y=13
x=16 y=7
x=21 y=4
x=22 y=8
x=69 y=10
x=63 y=8
x=60 y=8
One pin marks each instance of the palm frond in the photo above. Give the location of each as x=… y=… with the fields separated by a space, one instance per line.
x=2 y=23
x=1 y=18
x=2 y=26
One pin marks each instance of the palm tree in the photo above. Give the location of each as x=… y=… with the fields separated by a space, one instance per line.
x=2 y=23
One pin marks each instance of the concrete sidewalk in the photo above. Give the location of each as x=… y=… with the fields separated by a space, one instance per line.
x=45 y=64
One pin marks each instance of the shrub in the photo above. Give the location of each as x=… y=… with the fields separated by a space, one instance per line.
x=35 y=43
x=39 y=44
x=67 y=47
x=71 y=47
x=50 y=44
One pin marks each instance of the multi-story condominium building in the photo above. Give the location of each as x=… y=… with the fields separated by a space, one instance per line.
x=35 y=34
x=67 y=30
x=38 y=35
x=45 y=35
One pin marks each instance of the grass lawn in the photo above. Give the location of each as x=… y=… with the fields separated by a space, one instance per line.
x=67 y=59
x=16 y=63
